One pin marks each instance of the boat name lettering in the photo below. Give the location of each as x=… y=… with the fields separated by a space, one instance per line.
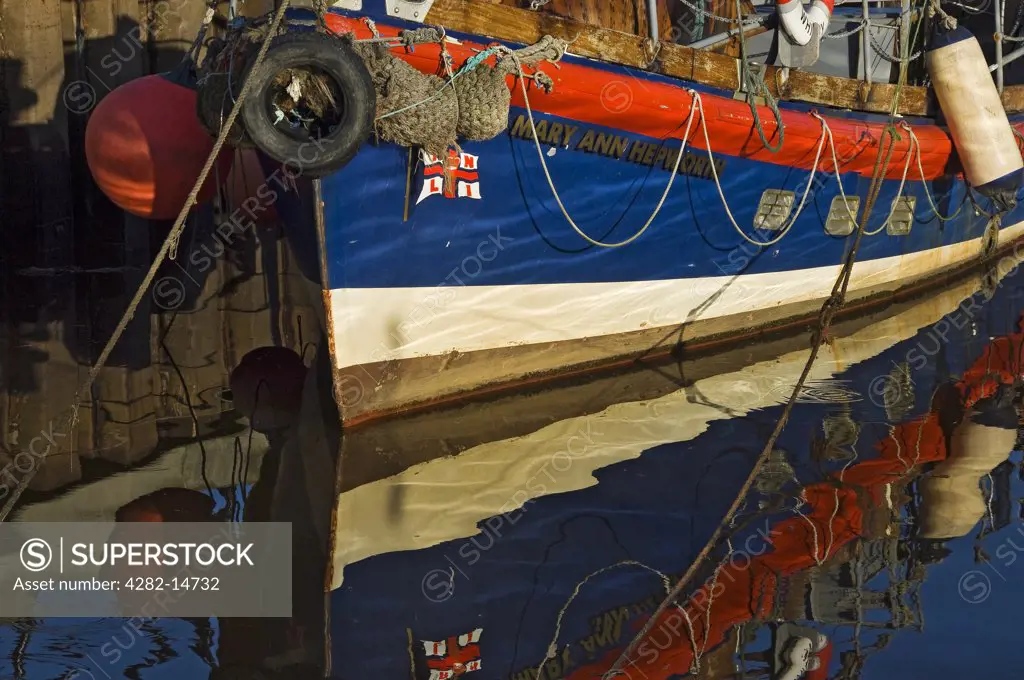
x=662 y=155
x=608 y=631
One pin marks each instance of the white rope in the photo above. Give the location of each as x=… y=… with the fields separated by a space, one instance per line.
x=721 y=194
x=551 y=182
x=835 y=167
x=935 y=209
x=695 y=664
x=814 y=529
x=553 y=646
x=902 y=182
x=895 y=201
x=899 y=448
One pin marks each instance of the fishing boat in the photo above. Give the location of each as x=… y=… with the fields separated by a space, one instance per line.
x=591 y=183
x=497 y=194
x=643 y=196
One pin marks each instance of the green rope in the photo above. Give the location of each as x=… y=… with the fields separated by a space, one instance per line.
x=753 y=84
x=697 y=32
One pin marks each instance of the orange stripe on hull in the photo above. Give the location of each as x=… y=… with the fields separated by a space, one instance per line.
x=659 y=110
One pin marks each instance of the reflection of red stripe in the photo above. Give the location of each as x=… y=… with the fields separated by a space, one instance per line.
x=909 y=445
x=455 y=654
x=659 y=110
x=825 y=657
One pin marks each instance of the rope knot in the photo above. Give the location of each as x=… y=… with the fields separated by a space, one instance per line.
x=935 y=9
x=545 y=81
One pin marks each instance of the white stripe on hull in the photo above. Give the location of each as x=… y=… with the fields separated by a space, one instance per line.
x=446 y=498
x=381 y=324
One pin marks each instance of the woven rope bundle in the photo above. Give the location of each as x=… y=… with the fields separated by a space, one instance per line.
x=484 y=102
x=430 y=116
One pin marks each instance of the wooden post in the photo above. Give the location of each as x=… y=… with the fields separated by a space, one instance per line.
x=110 y=50
x=37 y=292
x=172 y=30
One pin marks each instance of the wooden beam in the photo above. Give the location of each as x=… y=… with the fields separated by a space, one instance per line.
x=716 y=70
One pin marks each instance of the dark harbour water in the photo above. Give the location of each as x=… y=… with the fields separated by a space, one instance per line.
x=885 y=534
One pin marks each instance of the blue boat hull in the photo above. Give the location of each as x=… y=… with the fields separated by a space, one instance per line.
x=432 y=294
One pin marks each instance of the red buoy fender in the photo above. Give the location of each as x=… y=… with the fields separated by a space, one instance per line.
x=146 y=147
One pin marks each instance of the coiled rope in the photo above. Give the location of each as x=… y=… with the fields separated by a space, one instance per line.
x=752 y=82
x=472 y=63
x=168 y=248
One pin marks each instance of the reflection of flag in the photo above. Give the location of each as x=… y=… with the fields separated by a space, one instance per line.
x=455 y=176
x=456 y=653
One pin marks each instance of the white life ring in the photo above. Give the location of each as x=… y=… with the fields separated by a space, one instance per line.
x=798 y=21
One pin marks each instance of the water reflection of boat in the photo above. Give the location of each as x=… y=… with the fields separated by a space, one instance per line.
x=99 y=500
x=286 y=477
x=497 y=535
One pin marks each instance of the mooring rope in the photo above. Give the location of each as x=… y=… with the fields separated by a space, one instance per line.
x=752 y=82
x=899 y=192
x=169 y=248
x=829 y=309
x=552 y=650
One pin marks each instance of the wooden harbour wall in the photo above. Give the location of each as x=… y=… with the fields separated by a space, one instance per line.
x=70 y=261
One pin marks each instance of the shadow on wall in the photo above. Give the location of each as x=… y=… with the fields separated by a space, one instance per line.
x=69 y=258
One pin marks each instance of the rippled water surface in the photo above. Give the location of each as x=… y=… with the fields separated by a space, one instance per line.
x=533 y=536
x=880 y=538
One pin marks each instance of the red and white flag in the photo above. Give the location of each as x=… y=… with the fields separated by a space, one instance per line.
x=453 y=657
x=454 y=176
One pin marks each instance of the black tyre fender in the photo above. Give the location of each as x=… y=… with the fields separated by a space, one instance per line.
x=334 y=57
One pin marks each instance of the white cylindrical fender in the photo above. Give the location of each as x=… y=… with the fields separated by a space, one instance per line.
x=798 y=22
x=974 y=113
x=951 y=498
x=797 y=660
